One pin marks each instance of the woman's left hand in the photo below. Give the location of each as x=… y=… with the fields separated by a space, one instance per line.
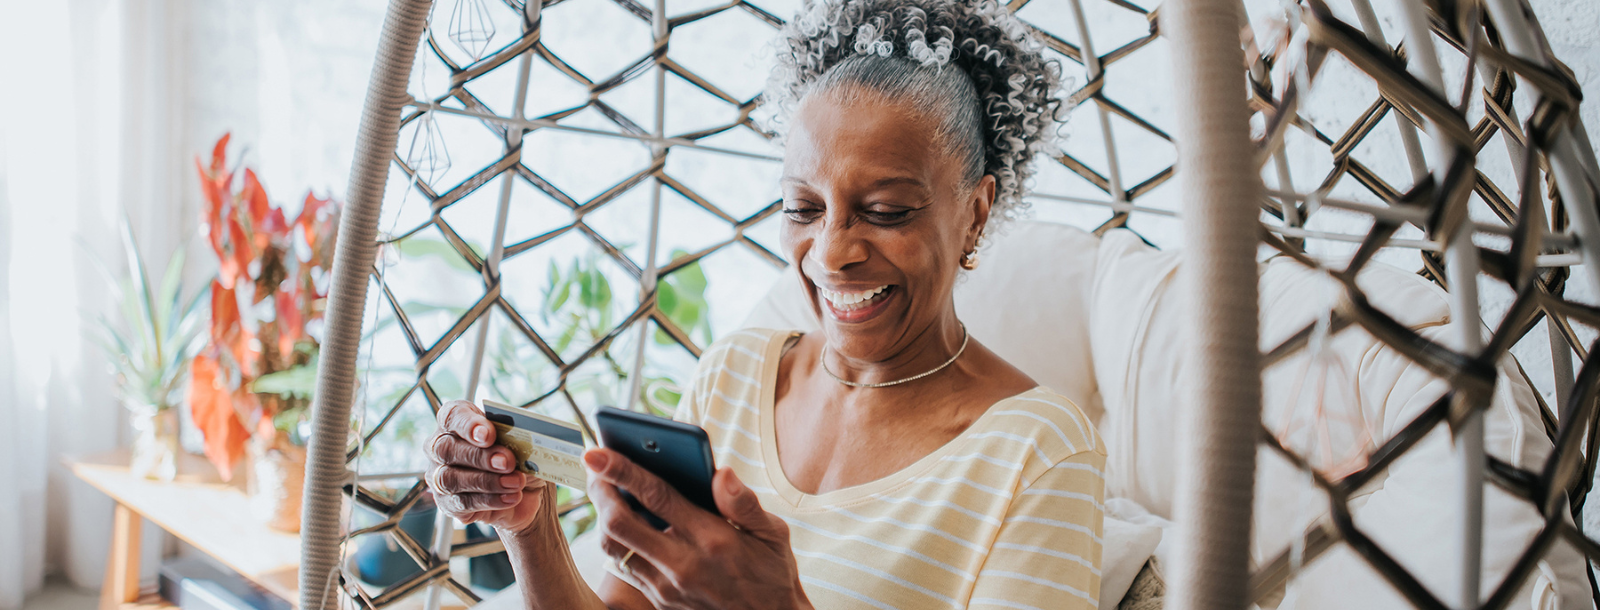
x=738 y=560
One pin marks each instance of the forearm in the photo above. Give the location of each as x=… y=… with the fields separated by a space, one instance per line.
x=544 y=568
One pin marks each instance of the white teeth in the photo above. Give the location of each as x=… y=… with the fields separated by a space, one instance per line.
x=850 y=300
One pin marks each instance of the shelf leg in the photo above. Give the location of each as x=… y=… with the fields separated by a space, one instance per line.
x=122 y=568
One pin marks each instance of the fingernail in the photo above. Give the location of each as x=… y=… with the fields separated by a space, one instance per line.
x=596 y=460
x=511 y=481
x=479 y=433
x=731 y=485
x=499 y=462
x=510 y=498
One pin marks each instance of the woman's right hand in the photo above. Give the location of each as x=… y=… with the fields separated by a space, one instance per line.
x=477 y=481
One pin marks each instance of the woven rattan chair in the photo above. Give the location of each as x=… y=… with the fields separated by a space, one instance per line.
x=1514 y=214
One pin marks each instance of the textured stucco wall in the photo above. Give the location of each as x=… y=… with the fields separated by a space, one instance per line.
x=1573 y=29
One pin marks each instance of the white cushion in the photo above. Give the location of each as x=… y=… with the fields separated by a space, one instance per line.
x=1132 y=537
x=1367 y=387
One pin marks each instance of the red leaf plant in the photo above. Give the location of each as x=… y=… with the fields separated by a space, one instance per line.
x=271 y=285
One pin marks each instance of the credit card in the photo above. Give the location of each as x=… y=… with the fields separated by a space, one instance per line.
x=545 y=447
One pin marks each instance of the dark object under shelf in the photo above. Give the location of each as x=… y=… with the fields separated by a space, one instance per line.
x=195 y=583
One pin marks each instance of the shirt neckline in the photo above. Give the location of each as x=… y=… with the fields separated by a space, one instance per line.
x=801 y=501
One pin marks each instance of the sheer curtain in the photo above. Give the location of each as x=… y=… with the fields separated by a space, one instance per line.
x=82 y=113
x=103 y=106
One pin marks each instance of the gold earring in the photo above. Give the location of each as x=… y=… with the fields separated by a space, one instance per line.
x=969 y=261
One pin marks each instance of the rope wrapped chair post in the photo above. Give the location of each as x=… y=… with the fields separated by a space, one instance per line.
x=1449 y=88
x=1220 y=188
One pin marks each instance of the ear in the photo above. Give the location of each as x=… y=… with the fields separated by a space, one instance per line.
x=982 y=201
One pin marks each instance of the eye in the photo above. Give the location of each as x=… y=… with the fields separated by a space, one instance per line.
x=885 y=218
x=802 y=215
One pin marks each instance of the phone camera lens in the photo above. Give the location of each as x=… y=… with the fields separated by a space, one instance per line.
x=650 y=445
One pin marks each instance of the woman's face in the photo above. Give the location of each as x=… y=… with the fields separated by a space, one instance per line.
x=877 y=220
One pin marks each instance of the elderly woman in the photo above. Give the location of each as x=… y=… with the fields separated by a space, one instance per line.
x=889 y=460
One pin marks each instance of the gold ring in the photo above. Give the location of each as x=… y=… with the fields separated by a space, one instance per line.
x=622 y=564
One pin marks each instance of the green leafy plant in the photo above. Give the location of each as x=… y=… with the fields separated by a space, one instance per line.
x=159 y=331
x=578 y=300
x=294 y=386
x=682 y=296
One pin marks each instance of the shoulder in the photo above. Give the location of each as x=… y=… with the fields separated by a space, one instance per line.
x=732 y=366
x=1040 y=429
x=741 y=344
x=743 y=353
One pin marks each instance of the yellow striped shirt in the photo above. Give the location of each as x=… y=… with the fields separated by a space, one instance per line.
x=1007 y=515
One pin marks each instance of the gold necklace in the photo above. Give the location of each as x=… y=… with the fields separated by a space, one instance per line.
x=855 y=384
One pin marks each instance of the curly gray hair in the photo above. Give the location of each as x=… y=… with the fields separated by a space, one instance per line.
x=997 y=108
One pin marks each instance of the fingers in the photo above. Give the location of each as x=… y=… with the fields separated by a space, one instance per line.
x=463 y=504
x=464 y=420
x=639 y=573
x=651 y=492
x=450 y=450
x=452 y=480
x=740 y=506
x=618 y=522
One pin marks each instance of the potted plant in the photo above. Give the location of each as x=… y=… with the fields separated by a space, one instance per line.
x=249 y=393
x=150 y=349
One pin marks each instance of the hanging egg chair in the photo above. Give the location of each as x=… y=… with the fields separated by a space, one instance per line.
x=1405 y=185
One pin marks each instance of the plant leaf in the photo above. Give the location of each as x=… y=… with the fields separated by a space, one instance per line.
x=294 y=382
x=567 y=335
x=691 y=278
x=555 y=302
x=436 y=249
x=168 y=294
x=603 y=288
x=589 y=290
x=667 y=298
x=213 y=411
x=150 y=327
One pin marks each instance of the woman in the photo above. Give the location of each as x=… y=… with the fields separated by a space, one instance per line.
x=888 y=460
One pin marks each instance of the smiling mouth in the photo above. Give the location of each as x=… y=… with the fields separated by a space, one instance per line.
x=856 y=306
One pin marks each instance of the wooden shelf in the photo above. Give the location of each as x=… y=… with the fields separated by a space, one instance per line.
x=208 y=514
x=205 y=512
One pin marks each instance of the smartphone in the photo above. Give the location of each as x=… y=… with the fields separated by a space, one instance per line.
x=677 y=452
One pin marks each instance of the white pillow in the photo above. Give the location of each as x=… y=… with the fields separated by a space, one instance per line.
x=1132 y=537
x=1137 y=322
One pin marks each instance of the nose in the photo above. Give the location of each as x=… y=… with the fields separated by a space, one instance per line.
x=837 y=245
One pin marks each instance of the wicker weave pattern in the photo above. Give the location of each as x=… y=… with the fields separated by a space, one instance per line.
x=1532 y=220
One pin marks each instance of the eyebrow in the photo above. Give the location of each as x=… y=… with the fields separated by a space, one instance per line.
x=896 y=180
x=879 y=183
